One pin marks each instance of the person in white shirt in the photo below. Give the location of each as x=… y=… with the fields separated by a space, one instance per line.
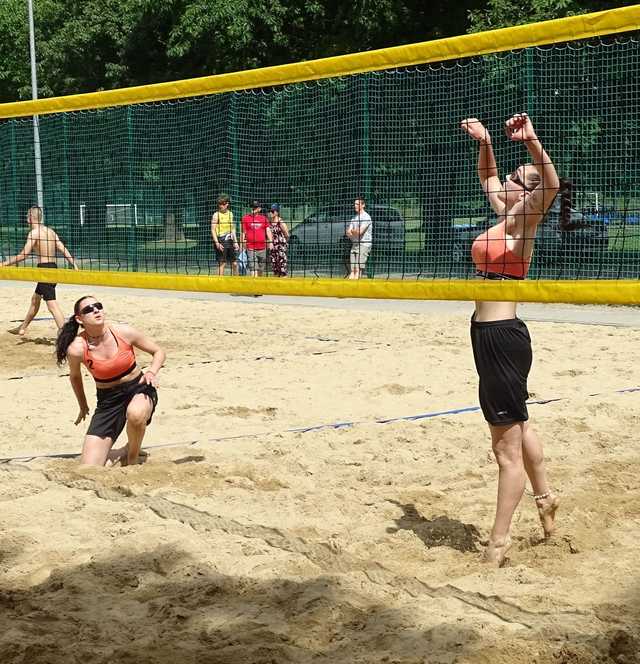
x=360 y=232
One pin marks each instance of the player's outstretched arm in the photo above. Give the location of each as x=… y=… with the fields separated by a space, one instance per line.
x=18 y=258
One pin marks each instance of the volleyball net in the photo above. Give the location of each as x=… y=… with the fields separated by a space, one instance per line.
x=131 y=177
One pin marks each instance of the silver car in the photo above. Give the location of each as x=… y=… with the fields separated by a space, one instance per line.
x=319 y=243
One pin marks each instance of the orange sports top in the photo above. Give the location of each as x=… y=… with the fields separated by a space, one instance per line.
x=116 y=367
x=493 y=258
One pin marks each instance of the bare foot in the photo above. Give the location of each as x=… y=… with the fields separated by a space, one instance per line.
x=547 y=508
x=117 y=456
x=496 y=551
x=143 y=457
x=17 y=330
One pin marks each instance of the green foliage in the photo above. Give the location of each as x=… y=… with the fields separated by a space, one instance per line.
x=14 y=51
x=88 y=45
x=81 y=46
x=504 y=13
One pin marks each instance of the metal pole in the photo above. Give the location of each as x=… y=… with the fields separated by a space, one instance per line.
x=34 y=95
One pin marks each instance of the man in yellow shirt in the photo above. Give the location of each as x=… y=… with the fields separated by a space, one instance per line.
x=223 y=233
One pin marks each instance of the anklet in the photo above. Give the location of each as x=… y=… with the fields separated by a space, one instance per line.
x=542 y=495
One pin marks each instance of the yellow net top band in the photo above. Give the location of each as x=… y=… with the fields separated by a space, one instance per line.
x=620 y=292
x=586 y=26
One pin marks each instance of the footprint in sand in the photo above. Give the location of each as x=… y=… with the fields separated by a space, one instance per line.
x=39 y=341
x=395 y=388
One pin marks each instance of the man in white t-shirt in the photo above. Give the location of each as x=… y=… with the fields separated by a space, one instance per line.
x=360 y=232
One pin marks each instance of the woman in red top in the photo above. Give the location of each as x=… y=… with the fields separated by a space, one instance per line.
x=125 y=395
x=500 y=340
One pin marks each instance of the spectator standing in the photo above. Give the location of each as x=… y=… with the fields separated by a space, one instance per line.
x=360 y=232
x=223 y=233
x=280 y=238
x=257 y=238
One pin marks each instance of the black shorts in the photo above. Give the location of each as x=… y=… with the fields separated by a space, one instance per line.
x=502 y=353
x=228 y=253
x=111 y=410
x=46 y=291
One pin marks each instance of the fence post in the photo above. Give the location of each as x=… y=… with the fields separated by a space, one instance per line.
x=366 y=140
x=530 y=100
x=65 y=175
x=132 y=239
x=235 y=157
x=366 y=164
x=14 y=177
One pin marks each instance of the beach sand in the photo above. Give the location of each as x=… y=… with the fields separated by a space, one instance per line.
x=241 y=541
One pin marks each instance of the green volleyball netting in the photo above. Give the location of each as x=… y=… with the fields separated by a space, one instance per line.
x=133 y=188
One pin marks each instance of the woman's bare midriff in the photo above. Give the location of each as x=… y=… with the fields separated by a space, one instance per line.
x=488 y=311
x=125 y=379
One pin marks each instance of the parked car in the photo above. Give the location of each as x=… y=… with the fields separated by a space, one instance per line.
x=319 y=242
x=588 y=239
x=613 y=217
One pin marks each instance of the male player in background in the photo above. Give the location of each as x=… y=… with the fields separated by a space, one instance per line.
x=45 y=243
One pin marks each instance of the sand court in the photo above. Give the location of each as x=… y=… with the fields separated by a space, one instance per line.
x=243 y=541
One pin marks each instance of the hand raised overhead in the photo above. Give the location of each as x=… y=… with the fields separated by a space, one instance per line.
x=519 y=128
x=475 y=129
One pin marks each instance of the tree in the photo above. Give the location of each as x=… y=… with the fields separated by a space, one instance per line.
x=504 y=13
x=81 y=46
x=89 y=45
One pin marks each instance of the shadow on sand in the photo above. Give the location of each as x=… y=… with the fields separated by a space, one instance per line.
x=440 y=531
x=162 y=607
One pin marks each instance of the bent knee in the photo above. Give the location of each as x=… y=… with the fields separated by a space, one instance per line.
x=137 y=416
x=95 y=450
x=139 y=410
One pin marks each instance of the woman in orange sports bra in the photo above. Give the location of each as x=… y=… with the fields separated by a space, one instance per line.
x=500 y=340
x=125 y=395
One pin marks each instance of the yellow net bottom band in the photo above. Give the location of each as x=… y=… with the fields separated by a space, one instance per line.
x=618 y=292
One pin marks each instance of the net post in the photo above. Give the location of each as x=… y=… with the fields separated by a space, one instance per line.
x=37 y=157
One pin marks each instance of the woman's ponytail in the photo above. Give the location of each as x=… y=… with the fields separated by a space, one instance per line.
x=566 y=193
x=66 y=335
x=68 y=332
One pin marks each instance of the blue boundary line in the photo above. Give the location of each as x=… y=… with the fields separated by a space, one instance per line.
x=321 y=427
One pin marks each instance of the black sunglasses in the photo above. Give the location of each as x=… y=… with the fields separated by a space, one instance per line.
x=96 y=306
x=515 y=178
